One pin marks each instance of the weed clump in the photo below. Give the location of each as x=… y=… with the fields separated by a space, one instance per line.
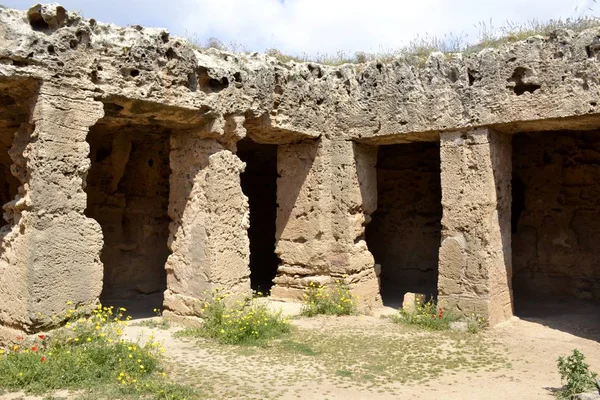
x=244 y=322
x=475 y=323
x=428 y=316
x=576 y=374
x=336 y=300
x=88 y=353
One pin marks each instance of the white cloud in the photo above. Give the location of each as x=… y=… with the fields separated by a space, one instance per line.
x=321 y=26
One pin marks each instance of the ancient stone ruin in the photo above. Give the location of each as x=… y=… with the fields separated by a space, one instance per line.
x=133 y=164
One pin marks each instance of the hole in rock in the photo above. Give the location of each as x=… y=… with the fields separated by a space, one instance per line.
x=208 y=84
x=520 y=86
x=37 y=23
x=404 y=233
x=259 y=184
x=128 y=194
x=556 y=228
x=473 y=76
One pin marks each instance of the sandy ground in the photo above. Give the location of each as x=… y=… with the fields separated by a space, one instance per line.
x=514 y=360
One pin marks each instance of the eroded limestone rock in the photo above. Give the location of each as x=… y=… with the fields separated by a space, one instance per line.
x=60 y=74
x=326 y=190
x=555 y=217
x=475 y=266
x=209 y=214
x=413 y=300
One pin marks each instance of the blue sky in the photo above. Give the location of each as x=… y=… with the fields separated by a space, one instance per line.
x=321 y=26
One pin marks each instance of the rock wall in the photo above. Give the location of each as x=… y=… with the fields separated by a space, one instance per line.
x=404 y=234
x=60 y=73
x=9 y=185
x=128 y=194
x=556 y=215
x=64 y=245
x=542 y=83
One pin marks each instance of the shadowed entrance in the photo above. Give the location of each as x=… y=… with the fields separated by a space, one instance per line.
x=259 y=183
x=404 y=234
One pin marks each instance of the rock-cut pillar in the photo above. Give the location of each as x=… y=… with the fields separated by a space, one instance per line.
x=209 y=221
x=475 y=255
x=326 y=191
x=50 y=252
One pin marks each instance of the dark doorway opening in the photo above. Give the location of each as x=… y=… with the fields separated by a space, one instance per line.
x=15 y=107
x=556 y=228
x=259 y=184
x=405 y=230
x=128 y=194
x=9 y=184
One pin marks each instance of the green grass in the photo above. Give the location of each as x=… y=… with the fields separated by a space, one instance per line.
x=243 y=322
x=160 y=323
x=430 y=316
x=422 y=46
x=380 y=357
x=88 y=355
x=294 y=346
x=343 y=373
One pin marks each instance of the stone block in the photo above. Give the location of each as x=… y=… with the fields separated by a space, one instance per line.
x=412 y=301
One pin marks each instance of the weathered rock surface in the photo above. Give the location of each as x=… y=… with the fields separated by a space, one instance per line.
x=475 y=267
x=326 y=190
x=587 y=396
x=555 y=218
x=63 y=76
x=537 y=79
x=412 y=301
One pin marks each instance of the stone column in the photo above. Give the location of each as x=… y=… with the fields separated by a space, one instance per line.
x=210 y=218
x=50 y=251
x=326 y=191
x=475 y=266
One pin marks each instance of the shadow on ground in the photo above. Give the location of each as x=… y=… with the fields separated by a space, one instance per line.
x=139 y=306
x=580 y=318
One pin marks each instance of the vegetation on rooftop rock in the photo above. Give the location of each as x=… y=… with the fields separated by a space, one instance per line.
x=422 y=46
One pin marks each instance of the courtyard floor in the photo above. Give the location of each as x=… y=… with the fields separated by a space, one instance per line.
x=370 y=357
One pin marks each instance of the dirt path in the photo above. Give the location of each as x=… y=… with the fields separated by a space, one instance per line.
x=370 y=357
x=367 y=357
